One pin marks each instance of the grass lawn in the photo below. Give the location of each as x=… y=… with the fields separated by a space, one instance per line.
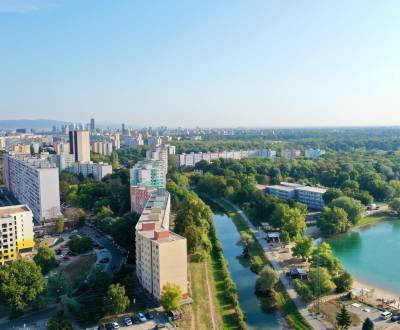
x=79 y=267
x=226 y=309
x=200 y=307
x=286 y=305
x=374 y=219
x=330 y=310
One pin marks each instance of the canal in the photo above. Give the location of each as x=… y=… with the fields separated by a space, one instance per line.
x=371 y=254
x=244 y=278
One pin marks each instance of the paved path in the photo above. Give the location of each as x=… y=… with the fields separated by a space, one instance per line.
x=269 y=253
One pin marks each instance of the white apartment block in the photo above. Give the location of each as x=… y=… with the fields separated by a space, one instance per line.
x=16 y=225
x=191 y=159
x=97 y=170
x=2 y=143
x=161 y=255
x=33 y=181
x=62 y=161
x=158 y=154
x=80 y=145
x=311 y=196
x=313 y=153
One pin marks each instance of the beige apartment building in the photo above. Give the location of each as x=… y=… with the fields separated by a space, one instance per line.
x=161 y=255
x=16 y=225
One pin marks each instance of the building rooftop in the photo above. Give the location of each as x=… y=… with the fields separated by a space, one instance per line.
x=313 y=189
x=14 y=209
x=279 y=187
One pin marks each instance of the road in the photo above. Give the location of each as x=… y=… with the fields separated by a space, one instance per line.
x=117 y=255
x=36 y=321
x=301 y=305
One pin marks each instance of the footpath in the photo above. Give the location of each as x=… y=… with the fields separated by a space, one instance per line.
x=317 y=324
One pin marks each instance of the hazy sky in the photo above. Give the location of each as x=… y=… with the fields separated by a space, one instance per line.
x=206 y=63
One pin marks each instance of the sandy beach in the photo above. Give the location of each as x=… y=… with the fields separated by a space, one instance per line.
x=377 y=293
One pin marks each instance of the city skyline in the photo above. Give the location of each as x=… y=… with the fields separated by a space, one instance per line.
x=226 y=64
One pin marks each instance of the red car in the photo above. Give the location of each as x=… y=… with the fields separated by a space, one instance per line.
x=65 y=258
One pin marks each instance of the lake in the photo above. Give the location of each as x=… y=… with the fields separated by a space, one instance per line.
x=371 y=254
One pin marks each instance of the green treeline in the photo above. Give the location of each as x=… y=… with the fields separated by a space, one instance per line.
x=194 y=221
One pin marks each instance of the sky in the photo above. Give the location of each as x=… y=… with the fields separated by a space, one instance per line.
x=201 y=63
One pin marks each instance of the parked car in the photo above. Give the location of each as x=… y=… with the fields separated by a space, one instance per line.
x=149 y=316
x=109 y=326
x=66 y=258
x=386 y=315
x=395 y=318
x=141 y=317
x=115 y=325
x=71 y=254
x=128 y=321
x=135 y=320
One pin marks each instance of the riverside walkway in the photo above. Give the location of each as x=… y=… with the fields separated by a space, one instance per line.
x=317 y=324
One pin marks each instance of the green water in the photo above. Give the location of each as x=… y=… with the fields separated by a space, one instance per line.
x=371 y=254
x=244 y=278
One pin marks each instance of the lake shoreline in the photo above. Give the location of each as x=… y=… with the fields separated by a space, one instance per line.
x=377 y=292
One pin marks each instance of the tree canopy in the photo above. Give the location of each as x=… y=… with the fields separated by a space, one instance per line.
x=21 y=281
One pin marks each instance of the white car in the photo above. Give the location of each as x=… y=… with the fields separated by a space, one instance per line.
x=115 y=325
x=141 y=317
x=128 y=321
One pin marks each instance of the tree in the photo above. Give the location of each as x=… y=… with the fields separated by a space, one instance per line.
x=303 y=248
x=20 y=283
x=266 y=281
x=303 y=290
x=60 y=225
x=171 y=296
x=59 y=322
x=277 y=215
x=352 y=207
x=326 y=284
x=294 y=222
x=79 y=244
x=104 y=212
x=285 y=239
x=45 y=258
x=331 y=194
x=344 y=282
x=115 y=301
x=333 y=220
x=323 y=256
x=368 y=324
x=58 y=285
x=395 y=205
x=343 y=318
x=247 y=241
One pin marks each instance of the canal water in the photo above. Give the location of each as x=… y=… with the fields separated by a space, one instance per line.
x=244 y=278
x=371 y=254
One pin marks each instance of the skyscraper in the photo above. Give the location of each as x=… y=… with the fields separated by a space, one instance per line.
x=92 y=125
x=79 y=145
x=123 y=129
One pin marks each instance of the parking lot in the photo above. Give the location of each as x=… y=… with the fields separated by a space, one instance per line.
x=365 y=311
x=159 y=320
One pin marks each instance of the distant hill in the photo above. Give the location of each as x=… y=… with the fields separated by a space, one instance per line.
x=30 y=123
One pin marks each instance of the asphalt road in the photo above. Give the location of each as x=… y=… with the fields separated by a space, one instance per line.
x=117 y=256
x=38 y=320
x=35 y=321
